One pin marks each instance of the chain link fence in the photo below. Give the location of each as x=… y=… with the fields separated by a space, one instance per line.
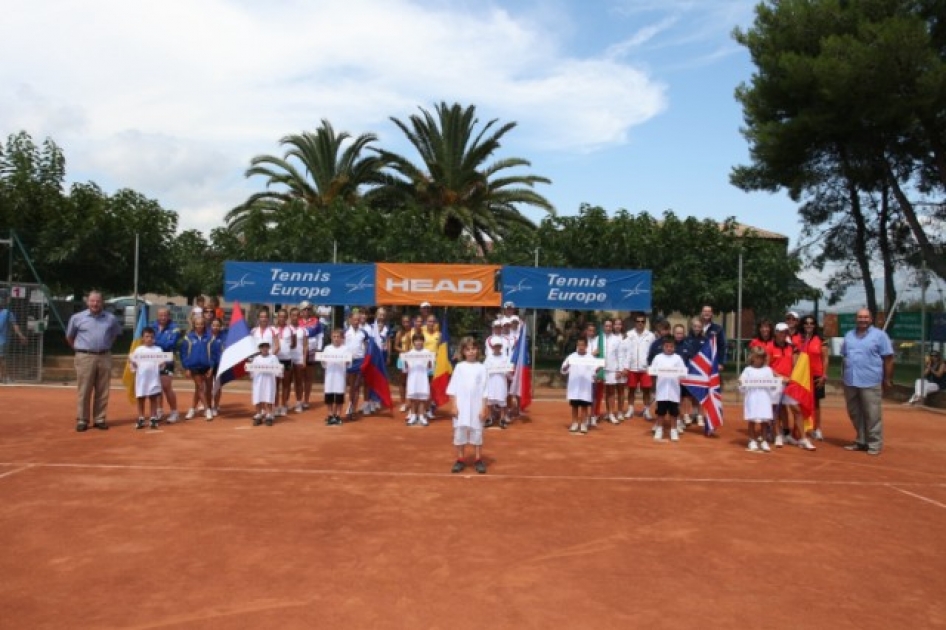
x=23 y=321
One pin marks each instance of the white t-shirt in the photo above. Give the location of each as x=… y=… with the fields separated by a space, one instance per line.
x=581 y=378
x=668 y=387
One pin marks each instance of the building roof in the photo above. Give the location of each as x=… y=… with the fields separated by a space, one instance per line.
x=742 y=228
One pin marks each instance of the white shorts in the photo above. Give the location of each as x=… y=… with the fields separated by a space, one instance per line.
x=611 y=377
x=758 y=420
x=467 y=435
x=498 y=403
x=788 y=401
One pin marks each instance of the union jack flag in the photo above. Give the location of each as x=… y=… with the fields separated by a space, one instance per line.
x=703 y=383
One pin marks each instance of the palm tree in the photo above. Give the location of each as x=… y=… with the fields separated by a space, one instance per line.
x=315 y=170
x=456 y=189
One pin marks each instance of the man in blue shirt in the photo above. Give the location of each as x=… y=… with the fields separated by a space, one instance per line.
x=91 y=334
x=868 y=372
x=7 y=325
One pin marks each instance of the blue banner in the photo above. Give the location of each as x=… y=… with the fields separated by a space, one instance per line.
x=577 y=289
x=286 y=283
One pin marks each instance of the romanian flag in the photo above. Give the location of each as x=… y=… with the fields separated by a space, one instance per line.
x=443 y=369
x=521 y=385
x=374 y=371
x=128 y=377
x=801 y=388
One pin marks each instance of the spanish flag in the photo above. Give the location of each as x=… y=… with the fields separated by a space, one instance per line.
x=801 y=388
x=128 y=377
x=443 y=368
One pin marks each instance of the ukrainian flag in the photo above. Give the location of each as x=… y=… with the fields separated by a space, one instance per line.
x=128 y=377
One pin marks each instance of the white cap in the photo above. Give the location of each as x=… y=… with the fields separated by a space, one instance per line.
x=425 y=304
x=781 y=327
x=509 y=304
x=305 y=304
x=513 y=318
x=324 y=311
x=497 y=342
x=497 y=322
x=262 y=343
x=791 y=314
x=505 y=321
x=197 y=310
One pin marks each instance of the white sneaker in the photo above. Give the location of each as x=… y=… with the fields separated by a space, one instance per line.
x=216 y=411
x=790 y=440
x=764 y=446
x=298 y=408
x=659 y=433
x=674 y=436
x=190 y=414
x=593 y=422
x=574 y=427
x=647 y=415
x=778 y=441
x=687 y=420
x=209 y=414
x=753 y=447
x=612 y=419
x=159 y=414
x=681 y=427
x=817 y=435
x=423 y=421
x=699 y=420
x=172 y=417
x=199 y=407
x=430 y=415
x=806 y=444
x=620 y=417
x=583 y=428
x=412 y=420
x=403 y=408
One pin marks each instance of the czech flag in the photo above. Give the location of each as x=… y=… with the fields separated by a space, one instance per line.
x=521 y=385
x=800 y=388
x=375 y=373
x=128 y=377
x=238 y=348
x=703 y=383
x=443 y=369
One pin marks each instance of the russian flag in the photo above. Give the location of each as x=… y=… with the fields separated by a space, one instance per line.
x=238 y=348
x=521 y=385
x=375 y=373
x=443 y=368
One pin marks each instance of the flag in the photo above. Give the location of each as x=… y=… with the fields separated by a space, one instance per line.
x=800 y=388
x=128 y=377
x=238 y=348
x=598 y=392
x=521 y=385
x=375 y=373
x=443 y=369
x=703 y=383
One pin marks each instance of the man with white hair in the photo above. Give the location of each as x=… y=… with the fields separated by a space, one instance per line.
x=91 y=333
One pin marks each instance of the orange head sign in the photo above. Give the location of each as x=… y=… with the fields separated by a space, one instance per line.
x=441 y=285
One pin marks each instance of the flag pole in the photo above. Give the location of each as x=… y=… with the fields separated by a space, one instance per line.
x=535 y=315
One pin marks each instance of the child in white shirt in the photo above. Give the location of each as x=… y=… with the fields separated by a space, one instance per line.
x=147 y=379
x=418 y=385
x=467 y=391
x=668 y=389
x=264 y=386
x=580 y=392
x=497 y=385
x=757 y=405
x=335 y=376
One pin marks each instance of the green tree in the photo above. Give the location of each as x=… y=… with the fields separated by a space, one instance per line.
x=460 y=192
x=317 y=170
x=850 y=95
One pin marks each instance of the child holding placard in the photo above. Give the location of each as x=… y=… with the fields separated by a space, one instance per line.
x=757 y=405
x=264 y=386
x=147 y=379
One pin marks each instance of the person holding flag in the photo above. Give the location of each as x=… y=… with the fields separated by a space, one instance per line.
x=521 y=385
x=443 y=368
x=238 y=347
x=703 y=383
x=128 y=375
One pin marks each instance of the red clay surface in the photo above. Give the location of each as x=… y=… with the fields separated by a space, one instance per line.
x=300 y=525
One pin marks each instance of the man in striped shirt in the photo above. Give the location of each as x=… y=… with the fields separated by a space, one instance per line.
x=91 y=334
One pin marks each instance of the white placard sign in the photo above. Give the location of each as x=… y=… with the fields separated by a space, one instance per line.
x=676 y=372
x=587 y=361
x=18 y=292
x=37 y=296
x=417 y=356
x=276 y=369
x=502 y=368
x=155 y=356
x=761 y=383
x=333 y=357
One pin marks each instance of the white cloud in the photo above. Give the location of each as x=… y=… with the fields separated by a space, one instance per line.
x=172 y=98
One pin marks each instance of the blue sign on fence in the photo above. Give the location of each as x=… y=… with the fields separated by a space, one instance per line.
x=577 y=289
x=330 y=285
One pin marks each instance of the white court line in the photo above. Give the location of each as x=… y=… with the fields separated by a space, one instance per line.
x=16 y=470
x=919 y=496
x=499 y=476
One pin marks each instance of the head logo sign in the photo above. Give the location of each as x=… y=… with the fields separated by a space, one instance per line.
x=449 y=285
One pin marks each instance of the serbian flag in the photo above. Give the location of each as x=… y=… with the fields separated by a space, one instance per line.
x=443 y=369
x=599 y=376
x=239 y=347
x=800 y=388
x=521 y=385
x=128 y=377
x=375 y=373
x=703 y=383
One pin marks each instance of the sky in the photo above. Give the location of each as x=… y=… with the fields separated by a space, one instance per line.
x=624 y=104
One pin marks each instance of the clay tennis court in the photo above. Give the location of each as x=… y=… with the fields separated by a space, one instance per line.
x=300 y=525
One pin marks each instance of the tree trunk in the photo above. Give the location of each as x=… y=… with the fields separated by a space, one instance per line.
x=934 y=260
x=860 y=246
x=883 y=238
